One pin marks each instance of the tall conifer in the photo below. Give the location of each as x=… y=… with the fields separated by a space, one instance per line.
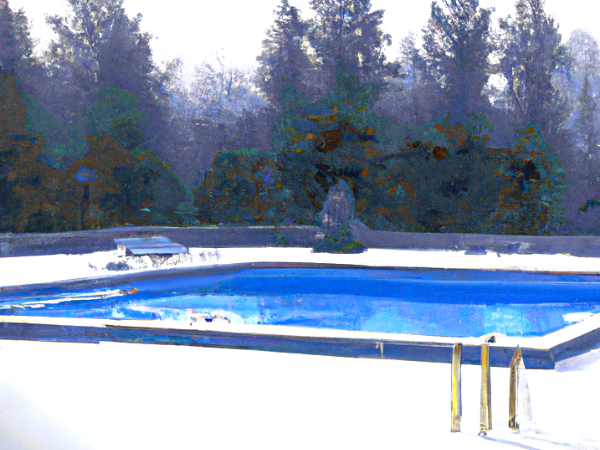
x=457 y=45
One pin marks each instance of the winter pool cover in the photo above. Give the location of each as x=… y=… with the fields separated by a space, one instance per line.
x=457 y=303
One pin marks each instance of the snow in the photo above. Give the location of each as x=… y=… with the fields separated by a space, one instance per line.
x=44 y=269
x=129 y=396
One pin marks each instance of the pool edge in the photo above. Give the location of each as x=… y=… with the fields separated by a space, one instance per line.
x=539 y=352
x=285 y=339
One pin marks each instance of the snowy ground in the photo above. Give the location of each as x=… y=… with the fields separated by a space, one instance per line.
x=43 y=269
x=130 y=396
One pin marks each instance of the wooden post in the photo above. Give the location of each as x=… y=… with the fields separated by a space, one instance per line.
x=485 y=423
x=456 y=388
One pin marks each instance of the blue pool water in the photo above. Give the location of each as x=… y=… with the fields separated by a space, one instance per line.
x=456 y=303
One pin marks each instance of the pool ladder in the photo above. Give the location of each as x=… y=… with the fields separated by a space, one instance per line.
x=456 y=388
x=519 y=400
x=485 y=410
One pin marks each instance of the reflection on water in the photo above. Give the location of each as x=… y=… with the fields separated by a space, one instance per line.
x=437 y=302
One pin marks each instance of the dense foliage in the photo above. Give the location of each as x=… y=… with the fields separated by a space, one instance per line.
x=478 y=130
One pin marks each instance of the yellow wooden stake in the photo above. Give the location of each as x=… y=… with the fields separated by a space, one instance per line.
x=485 y=423
x=456 y=388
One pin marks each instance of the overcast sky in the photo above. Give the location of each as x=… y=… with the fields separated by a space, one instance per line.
x=197 y=30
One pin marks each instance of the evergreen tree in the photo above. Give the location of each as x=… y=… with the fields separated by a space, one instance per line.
x=16 y=48
x=16 y=44
x=532 y=55
x=414 y=97
x=584 y=89
x=80 y=35
x=586 y=122
x=457 y=44
x=349 y=42
x=284 y=64
x=98 y=46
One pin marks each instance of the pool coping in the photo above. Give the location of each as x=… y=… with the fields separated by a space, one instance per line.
x=538 y=352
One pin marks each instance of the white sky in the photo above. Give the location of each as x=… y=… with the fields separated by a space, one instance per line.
x=197 y=30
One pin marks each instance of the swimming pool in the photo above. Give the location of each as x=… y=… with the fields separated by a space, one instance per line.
x=458 y=303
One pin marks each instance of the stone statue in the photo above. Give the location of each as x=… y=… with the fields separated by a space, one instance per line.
x=338 y=208
x=338 y=211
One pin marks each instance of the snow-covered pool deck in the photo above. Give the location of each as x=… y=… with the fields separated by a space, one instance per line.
x=127 y=396
x=52 y=268
x=114 y=395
